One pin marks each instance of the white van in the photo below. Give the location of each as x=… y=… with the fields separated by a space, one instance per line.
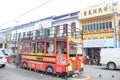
x=110 y=57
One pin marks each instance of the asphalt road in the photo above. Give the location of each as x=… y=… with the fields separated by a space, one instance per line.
x=11 y=72
x=91 y=72
x=101 y=73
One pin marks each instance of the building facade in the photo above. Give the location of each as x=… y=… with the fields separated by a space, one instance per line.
x=71 y=21
x=29 y=30
x=5 y=38
x=100 y=26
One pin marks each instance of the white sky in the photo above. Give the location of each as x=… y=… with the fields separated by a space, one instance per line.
x=10 y=9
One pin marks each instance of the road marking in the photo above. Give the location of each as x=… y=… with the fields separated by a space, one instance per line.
x=87 y=77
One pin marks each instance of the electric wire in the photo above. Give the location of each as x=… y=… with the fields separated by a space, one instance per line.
x=27 y=12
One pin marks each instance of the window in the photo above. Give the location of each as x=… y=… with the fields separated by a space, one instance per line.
x=13 y=36
x=107 y=25
x=103 y=25
x=73 y=27
x=34 y=34
x=92 y=26
x=32 y=47
x=61 y=47
x=57 y=29
x=47 y=32
x=24 y=35
x=110 y=24
x=65 y=28
x=98 y=26
x=72 y=49
x=26 y=47
x=40 y=47
x=83 y=28
x=28 y=34
x=21 y=35
x=50 y=47
x=86 y=28
x=95 y=26
x=79 y=49
x=38 y=34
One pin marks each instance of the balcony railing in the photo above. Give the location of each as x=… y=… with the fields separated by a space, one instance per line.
x=51 y=33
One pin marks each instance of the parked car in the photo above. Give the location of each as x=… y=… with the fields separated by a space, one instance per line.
x=110 y=57
x=8 y=53
x=2 y=59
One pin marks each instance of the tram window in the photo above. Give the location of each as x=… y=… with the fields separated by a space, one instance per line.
x=80 y=49
x=26 y=47
x=50 y=46
x=32 y=47
x=61 y=47
x=40 y=47
x=72 y=49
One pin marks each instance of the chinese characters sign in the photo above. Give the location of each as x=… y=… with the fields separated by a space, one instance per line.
x=96 y=10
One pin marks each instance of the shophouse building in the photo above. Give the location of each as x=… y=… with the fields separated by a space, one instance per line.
x=100 y=26
x=5 y=37
x=31 y=30
x=69 y=21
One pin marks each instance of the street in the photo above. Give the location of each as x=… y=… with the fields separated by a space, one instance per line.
x=92 y=72
x=10 y=72
x=101 y=73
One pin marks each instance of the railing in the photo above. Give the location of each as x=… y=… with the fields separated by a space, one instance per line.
x=51 y=33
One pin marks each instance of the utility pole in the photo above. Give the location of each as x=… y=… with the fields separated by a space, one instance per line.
x=115 y=35
x=16 y=34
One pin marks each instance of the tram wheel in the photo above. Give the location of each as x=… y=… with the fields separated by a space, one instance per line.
x=49 y=69
x=24 y=65
x=58 y=75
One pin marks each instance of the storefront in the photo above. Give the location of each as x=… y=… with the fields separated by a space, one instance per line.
x=98 y=26
x=93 y=47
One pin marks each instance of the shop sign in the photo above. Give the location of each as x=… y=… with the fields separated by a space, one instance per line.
x=99 y=43
x=96 y=10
